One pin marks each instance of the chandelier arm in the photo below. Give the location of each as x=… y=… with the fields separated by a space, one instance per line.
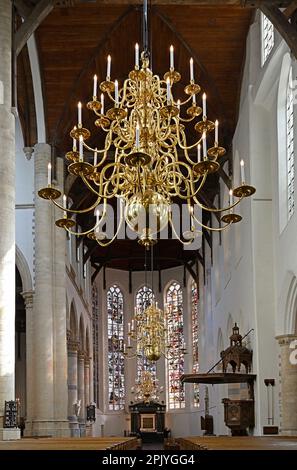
x=185 y=147
x=105 y=149
x=182 y=103
x=177 y=236
x=210 y=209
x=75 y=211
x=116 y=234
x=187 y=119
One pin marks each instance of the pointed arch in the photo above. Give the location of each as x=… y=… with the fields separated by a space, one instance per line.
x=144 y=298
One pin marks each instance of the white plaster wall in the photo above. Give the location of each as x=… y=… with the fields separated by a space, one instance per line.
x=256 y=261
x=24 y=200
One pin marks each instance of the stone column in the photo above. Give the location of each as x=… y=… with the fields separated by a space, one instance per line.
x=72 y=387
x=50 y=374
x=59 y=316
x=30 y=366
x=7 y=215
x=81 y=390
x=87 y=381
x=288 y=375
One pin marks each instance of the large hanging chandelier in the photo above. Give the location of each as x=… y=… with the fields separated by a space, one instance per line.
x=145 y=161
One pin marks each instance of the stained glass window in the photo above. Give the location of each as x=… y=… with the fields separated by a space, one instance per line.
x=175 y=337
x=144 y=298
x=115 y=319
x=195 y=336
x=267 y=30
x=290 y=144
x=95 y=324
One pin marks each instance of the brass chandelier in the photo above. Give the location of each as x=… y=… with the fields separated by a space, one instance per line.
x=145 y=160
x=146 y=388
x=148 y=330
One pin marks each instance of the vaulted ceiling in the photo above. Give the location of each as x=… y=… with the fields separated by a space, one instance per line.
x=73 y=44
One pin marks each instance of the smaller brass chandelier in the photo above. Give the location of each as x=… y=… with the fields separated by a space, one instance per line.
x=148 y=330
x=146 y=388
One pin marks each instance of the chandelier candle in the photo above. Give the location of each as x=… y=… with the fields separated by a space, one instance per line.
x=242 y=171
x=116 y=93
x=102 y=103
x=79 y=114
x=216 y=133
x=95 y=87
x=230 y=197
x=204 y=145
x=136 y=56
x=171 y=57
x=95 y=156
x=108 y=68
x=65 y=205
x=74 y=145
x=168 y=91
x=137 y=136
x=49 y=174
x=204 y=104
x=198 y=153
x=81 y=154
x=191 y=70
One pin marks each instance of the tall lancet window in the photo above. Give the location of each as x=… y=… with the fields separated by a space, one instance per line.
x=175 y=337
x=267 y=33
x=195 y=335
x=144 y=298
x=115 y=322
x=290 y=144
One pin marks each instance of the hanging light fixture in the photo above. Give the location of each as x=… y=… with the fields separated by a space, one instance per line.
x=147 y=331
x=145 y=136
x=146 y=388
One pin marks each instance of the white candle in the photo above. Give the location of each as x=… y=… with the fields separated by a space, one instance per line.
x=194 y=100
x=132 y=324
x=49 y=174
x=136 y=56
x=79 y=114
x=204 y=104
x=171 y=57
x=124 y=348
x=191 y=70
x=178 y=104
x=74 y=145
x=129 y=342
x=198 y=153
x=65 y=204
x=168 y=90
x=95 y=157
x=204 y=145
x=137 y=136
x=116 y=93
x=217 y=132
x=95 y=86
x=102 y=103
x=81 y=155
x=108 y=68
x=242 y=171
x=97 y=216
x=231 y=197
x=129 y=327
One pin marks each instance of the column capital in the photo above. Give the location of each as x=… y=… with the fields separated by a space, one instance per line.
x=87 y=360
x=72 y=345
x=81 y=355
x=285 y=340
x=28 y=298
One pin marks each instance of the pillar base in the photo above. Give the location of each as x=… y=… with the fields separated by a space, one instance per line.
x=74 y=429
x=289 y=432
x=10 y=434
x=47 y=428
x=82 y=429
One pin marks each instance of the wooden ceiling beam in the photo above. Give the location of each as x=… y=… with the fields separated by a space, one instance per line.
x=282 y=24
x=96 y=272
x=290 y=10
x=22 y=8
x=28 y=27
